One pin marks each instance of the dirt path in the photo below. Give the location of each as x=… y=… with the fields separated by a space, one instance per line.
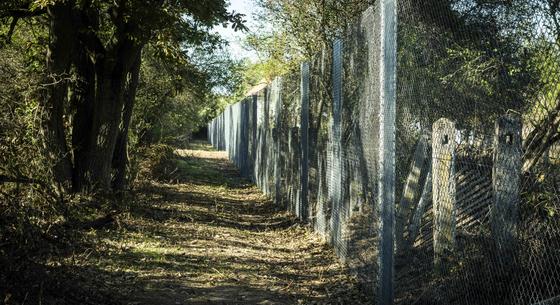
x=213 y=238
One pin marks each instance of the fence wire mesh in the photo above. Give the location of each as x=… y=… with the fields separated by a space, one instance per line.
x=477 y=82
x=477 y=201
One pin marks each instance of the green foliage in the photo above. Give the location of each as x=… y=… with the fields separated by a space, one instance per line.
x=39 y=224
x=44 y=230
x=175 y=99
x=276 y=56
x=545 y=65
x=162 y=163
x=310 y=25
x=293 y=31
x=158 y=162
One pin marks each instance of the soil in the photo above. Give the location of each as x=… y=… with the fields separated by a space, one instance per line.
x=211 y=237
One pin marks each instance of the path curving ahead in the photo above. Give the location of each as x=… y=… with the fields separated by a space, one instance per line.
x=213 y=238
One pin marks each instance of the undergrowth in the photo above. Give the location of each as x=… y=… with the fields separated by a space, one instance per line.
x=46 y=234
x=162 y=163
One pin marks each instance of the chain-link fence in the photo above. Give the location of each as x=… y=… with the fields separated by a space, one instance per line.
x=439 y=187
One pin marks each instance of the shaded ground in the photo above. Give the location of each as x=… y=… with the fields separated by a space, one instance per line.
x=213 y=238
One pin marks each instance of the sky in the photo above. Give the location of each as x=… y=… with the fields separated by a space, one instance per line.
x=235 y=39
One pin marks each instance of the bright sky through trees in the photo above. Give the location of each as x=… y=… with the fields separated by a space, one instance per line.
x=235 y=39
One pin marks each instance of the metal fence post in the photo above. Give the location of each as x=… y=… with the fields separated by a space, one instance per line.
x=335 y=183
x=244 y=155
x=304 y=205
x=277 y=141
x=506 y=182
x=387 y=138
x=294 y=170
x=263 y=168
x=254 y=116
x=443 y=191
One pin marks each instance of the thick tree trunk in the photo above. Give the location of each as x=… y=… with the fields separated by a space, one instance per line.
x=102 y=97
x=83 y=101
x=120 y=157
x=58 y=66
x=97 y=135
x=100 y=111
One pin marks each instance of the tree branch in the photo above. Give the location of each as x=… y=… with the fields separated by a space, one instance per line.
x=22 y=13
x=11 y=30
x=541 y=138
x=7 y=179
x=554 y=6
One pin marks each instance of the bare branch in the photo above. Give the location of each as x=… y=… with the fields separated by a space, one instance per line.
x=7 y=179
x=22 y=13
x=11 y=30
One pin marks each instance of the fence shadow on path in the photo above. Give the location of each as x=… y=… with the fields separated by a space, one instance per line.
x=195 y=242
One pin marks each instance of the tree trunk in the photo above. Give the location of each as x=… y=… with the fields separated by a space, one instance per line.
x=99 y=112
x=120 y=156
x=97 y=133
x=58 y=66
x=102 y=96
x=83 y=101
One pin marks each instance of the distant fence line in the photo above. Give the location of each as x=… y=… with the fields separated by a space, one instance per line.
x=420 y=196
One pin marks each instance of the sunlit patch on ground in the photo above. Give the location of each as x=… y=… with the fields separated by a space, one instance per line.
x=214 y=238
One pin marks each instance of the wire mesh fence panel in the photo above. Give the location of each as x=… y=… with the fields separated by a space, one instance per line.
x=270 y=149
x=244 y=162
x=335 y=99
x=305 y=79
x=252 y=123
x=335 y=161
x=290 y=148
x=477 y=161
x=470 y=75
x=356 y=216
x=258 y=133
x=319 y=114
x=266 y=158
x=267 y=144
